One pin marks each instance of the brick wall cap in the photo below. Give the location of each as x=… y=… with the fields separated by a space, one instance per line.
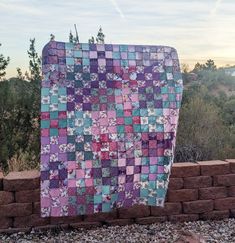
x=212 y=162
x=31 y=174
x=230 y=160
x=185 y=164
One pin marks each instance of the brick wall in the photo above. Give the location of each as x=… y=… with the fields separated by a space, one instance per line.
x=202 y=190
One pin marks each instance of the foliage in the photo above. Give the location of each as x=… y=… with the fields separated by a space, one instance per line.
x=34 y=64
x=100 y=36
x=72 y=38
x=201 y=132
x=3 y=65
x=19 y=120
x=206 y=124
x=91 y=40
x=19 y=74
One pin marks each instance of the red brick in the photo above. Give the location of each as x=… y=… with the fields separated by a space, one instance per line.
x=176 y=183
x=231 y=191
x=15 y=209
x=185 y=169
x=37 y=207
x=15 y=230
x=199 y=206
x=65 y=220
x=101 y=216
x=119 y=222
x=212 y=192
x=224 y=180
x=137 y=211
x=232 y=213
x=1 y=181
x=86 y=225
x=6 y=197
x=30 y=221
x=214 y=167
x=225 y=203
x=183 y=217
x=169 y=209
x=51 y=227
x=232 y=165
x=197 y=182
x=182 y=195
x=150 y=220
x=215 y=215
x=6 y=222
x=28 y=196
x=21 y=181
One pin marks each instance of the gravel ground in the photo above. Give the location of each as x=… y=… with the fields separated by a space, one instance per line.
x=199 y=231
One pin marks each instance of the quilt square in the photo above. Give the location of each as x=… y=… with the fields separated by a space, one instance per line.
x=109 y=116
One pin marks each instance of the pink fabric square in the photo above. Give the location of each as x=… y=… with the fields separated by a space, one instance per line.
x=136 y=177
x=153 y=160
x=45 y=202
x=109 y=54
x=145 y=169
x=130 y=170
x=127 y=105
x=137 y=161
x=56 y=211
x=89 y=182
x=72 y=165
x=152 y=177
x=121 y=162
x=100 y=47
x=95 y=130
x=62 y=132
x=88 y=163
x=135 y=97
x=45 y=132
x=122 y=179
x=111 y=114
x=101 y=62
x=123 y=55
x=160 y=169
x=112 y=129
x=132 y=62
x=93 y=54
x=118 y=99
x=116 y=63
x=80 y=174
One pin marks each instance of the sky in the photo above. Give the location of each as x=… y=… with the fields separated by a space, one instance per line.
x=199 y=30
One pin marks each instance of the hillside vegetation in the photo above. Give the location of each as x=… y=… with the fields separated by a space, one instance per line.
x=206 y=124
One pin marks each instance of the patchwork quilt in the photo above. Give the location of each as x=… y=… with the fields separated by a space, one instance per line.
x=109 y=117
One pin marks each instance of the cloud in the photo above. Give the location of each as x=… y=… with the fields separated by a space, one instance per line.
x=117 y=8
x=214 y=10
x=14 y=7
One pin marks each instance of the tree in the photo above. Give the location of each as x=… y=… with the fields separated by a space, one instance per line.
x=19 y=74
x=3 y=65
x=72 y=38
x=198 y=67
x=201 y=134
x=34 y=63
x=210 y=65
x=91 y=40
x=100 y=36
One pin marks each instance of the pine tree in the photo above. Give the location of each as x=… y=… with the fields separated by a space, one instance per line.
x=91 y=40
x=20 y=74
x=34 y=63
x=72 y=38
x=3 y=65
x=100 y=36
